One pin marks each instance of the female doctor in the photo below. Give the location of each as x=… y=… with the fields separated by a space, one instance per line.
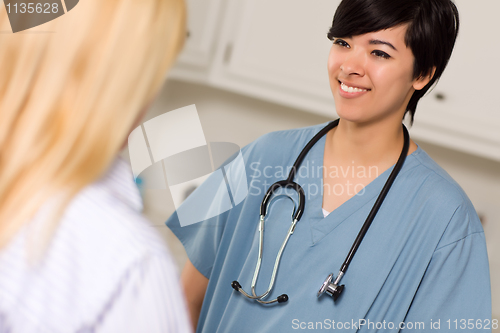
x=422 y=264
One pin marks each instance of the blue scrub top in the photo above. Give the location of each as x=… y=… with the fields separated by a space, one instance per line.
x=422 y=265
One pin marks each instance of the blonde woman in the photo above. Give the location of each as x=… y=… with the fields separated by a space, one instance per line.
x=75 y=253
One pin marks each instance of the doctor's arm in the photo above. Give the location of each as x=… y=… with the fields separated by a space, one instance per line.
x=455 y=290
x=195 y=286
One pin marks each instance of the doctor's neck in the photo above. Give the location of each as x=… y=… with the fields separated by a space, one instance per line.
x=368 y=144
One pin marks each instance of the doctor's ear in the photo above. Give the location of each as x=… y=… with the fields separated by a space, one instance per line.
x=423 y=80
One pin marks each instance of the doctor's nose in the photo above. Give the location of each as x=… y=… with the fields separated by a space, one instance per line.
x=353 y=65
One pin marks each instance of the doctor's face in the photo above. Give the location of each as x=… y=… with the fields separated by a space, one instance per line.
x=371 y=75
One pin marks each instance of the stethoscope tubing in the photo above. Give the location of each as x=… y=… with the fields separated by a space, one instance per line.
x=378 y=202
x=333 y=289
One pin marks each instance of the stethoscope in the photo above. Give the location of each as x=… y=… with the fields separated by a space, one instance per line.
x=332 y=289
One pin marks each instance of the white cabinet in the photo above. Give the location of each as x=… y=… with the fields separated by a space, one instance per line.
x=463 y=112
x=203 y=22
x=277 y=50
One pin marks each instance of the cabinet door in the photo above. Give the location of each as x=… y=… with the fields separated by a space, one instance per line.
x=277 y=50
x=462 y=112
x=202 y=27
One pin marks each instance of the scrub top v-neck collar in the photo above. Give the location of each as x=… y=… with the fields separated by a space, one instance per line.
x=320 y=225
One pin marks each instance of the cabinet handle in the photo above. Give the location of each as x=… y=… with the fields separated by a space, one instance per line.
x=228 y=52
x=440 y=96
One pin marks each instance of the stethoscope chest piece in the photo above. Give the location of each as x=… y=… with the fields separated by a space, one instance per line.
x=332 y=289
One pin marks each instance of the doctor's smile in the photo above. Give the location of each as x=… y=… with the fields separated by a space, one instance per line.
x=350 y=88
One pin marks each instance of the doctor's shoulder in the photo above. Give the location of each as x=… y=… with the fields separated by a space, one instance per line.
x=283 y=144
x=445 y=199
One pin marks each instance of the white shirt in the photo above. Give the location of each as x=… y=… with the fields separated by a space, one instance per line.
x=325 y=212
x=105 y=270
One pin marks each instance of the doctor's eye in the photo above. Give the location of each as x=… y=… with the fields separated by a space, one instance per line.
x=381 y=54
x=340 y=42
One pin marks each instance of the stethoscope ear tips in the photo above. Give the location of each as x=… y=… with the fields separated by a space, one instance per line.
x=282 y=298
x=236 y=286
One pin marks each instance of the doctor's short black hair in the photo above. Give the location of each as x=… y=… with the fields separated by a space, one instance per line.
x=431 y=35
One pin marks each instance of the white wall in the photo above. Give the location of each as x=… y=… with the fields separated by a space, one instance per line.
x=234 y=118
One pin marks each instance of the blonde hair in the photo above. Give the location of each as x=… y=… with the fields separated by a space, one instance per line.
x=71 y=91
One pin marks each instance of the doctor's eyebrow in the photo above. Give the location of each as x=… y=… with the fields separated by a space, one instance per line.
x=381 y=42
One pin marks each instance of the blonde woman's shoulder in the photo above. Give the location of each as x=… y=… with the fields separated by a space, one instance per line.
x=105 y=268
